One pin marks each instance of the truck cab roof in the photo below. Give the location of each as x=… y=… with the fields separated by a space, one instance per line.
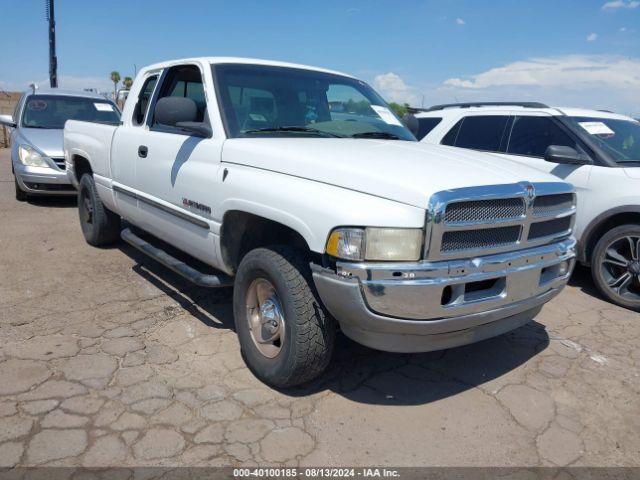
x=244 y=60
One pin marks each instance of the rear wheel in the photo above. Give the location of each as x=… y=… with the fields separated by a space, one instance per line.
x=615 y=266
x=21 y=195
x=285 y=335
x=100 y=226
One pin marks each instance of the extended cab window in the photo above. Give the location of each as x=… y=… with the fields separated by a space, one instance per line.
x=143 y=99
x=482 y=132
x=425 y=125
x=531 y=136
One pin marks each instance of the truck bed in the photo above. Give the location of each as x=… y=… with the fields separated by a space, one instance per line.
x=90 y=140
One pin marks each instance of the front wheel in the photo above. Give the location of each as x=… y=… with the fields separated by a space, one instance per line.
x=615 y=266
x=285 y=335
x=100 y=226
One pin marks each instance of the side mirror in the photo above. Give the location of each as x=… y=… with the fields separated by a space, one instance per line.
x=565 y=156
x=7 y=121
x=411 y=122
x=180 y=112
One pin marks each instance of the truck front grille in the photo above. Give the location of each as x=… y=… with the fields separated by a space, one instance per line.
x=503 y=218
x=482 y=210
x=461 y=240
x=550 y=227
x=549 y=204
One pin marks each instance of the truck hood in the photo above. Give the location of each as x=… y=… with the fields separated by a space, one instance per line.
x=407 y=172
x=46 y=141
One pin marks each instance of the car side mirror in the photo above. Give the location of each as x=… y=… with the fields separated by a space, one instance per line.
x=180 y=112
x=7 y=121
x=411 y=122
x=565 y=156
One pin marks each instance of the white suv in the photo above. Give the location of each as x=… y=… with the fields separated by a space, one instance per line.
x=597 y=151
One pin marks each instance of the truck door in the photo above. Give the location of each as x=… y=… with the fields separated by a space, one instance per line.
x=176 y=172
x=124 y=147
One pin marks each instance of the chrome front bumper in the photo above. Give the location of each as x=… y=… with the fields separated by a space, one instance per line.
x=433 y=305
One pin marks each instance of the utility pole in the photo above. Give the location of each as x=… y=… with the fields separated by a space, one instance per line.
x=53 y=60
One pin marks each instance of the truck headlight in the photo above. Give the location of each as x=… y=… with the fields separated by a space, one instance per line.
x=28 y=156
x=378 y=244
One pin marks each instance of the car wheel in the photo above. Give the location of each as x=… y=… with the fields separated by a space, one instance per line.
x=100 y=226
x=21 y=195
x=615 y=266
x=285 y=335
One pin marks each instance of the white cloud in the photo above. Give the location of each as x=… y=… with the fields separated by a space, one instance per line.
x=590 y=81
x=592 y=37
x=394 y=89
x=460 y=21
x=616 y=4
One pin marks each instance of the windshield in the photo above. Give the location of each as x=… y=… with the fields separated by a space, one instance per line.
x=267 y=101
x=52 y=111
x=619 y=138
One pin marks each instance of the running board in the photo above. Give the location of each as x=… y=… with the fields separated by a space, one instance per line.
x=179 y=267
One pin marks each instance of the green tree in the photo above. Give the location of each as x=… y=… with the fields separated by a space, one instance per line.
x=399 y=110
x=127 y=82
x=115 y=78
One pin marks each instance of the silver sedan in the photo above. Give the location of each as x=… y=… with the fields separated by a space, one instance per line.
x=37 y=154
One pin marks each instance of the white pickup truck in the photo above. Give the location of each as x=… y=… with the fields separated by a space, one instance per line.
x=305 y=192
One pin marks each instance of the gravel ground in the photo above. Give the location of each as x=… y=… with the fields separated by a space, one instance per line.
x=108 y=359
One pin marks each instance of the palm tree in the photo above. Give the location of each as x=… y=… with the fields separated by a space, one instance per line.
x=115 y=78
x=127 y=82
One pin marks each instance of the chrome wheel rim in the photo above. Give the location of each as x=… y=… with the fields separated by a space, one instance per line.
x=620 y=267
x=265 y=317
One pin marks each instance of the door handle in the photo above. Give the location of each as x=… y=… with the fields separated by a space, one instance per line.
x=142 y=151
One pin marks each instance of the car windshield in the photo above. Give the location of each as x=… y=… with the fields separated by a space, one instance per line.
x=268 y=101
x=619 y=138
x=52 y=111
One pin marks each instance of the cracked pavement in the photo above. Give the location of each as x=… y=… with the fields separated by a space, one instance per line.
x=107 y=359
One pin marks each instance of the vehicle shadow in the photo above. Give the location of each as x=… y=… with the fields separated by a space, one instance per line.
x=212 y=306
x=581 y=278
x=52 y=201
x=369 y=376
x=362 y=374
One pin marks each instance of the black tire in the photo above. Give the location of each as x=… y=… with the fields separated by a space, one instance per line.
x=617 y=282
x=100 y=226
x=21 y=195
x=309 y=332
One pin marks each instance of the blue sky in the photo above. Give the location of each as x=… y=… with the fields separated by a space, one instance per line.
x=582 y=53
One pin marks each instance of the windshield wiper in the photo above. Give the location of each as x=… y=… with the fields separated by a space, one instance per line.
x=383 y=135
x=293 y=128
x=42 y=127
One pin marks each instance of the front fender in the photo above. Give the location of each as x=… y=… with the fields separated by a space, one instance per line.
x=311 y=208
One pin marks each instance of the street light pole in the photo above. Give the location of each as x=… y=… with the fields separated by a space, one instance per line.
x=53 y=60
